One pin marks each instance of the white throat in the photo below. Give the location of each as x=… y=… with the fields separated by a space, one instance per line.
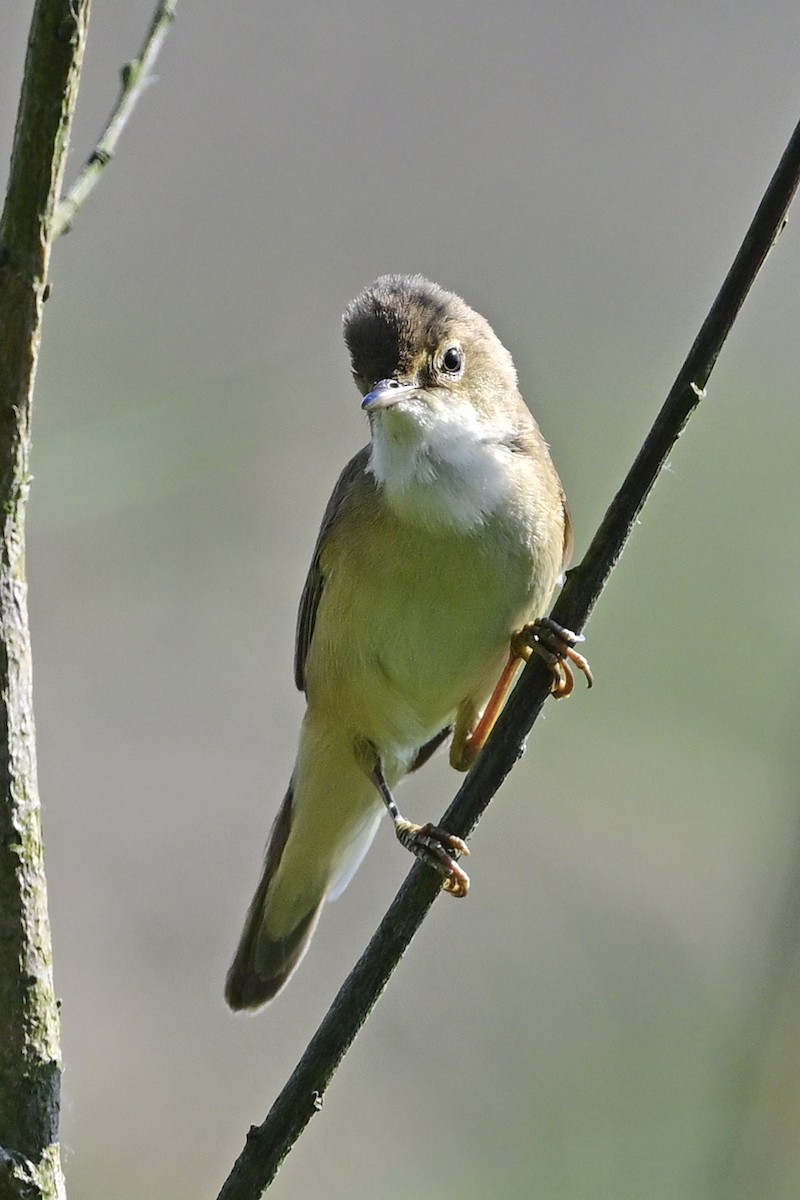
x=443 y=469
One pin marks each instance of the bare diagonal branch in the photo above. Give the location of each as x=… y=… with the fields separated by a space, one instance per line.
x=135 y=77
x=268 y=1144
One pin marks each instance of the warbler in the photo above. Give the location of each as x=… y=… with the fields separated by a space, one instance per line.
x=439 y=552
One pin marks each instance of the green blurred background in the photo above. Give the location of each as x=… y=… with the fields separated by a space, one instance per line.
x=615 y=1011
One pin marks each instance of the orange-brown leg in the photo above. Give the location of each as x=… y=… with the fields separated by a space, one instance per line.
x=549 y=641
x=470 y=736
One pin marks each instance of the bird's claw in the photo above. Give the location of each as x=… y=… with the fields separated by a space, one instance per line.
x=556 y=645
x=437 y=848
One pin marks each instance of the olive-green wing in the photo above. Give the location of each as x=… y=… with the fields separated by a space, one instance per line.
x=315 y=580
x=568 y=535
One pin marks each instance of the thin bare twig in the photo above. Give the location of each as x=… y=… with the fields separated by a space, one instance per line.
x=268 y=1144
x=135 y=77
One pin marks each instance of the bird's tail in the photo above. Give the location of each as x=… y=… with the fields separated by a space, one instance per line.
x=313 y=851
x=264 y=961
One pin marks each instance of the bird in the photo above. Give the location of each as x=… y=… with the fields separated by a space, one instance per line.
x=438 y=554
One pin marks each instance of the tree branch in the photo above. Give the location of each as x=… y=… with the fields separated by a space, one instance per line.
x=30 y=1055
x=268 y=1144
x=135 y=77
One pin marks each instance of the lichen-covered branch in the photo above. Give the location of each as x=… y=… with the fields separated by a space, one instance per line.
x=268 y=1144
x=30 y=1057
x=135 y=77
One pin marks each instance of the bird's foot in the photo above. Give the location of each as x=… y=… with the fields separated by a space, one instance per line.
x=436 y=848
x=556 y=645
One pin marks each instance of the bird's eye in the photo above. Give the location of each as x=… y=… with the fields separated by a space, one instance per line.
x=452 y=360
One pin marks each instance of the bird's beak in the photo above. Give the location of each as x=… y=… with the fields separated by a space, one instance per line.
x=388 y=393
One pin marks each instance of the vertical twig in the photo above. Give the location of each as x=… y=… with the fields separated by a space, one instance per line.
x=30 y=1056
x=135 y=76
